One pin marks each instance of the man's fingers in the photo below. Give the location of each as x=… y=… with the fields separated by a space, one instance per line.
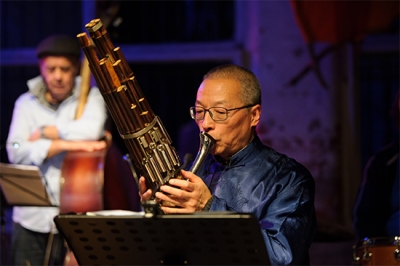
x=182 y=184
x=178 y=192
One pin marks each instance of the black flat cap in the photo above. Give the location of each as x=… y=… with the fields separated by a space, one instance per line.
x=59 y=45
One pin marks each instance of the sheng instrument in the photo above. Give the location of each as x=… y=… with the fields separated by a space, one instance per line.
x=147 y=140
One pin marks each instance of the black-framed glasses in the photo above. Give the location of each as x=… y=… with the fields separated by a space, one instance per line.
x=217 y=114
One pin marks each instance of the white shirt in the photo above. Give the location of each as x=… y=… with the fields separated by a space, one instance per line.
x=29 y=114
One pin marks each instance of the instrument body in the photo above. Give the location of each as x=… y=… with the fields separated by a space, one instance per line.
x=377 y=251
x=149 y=145
x=82 y=182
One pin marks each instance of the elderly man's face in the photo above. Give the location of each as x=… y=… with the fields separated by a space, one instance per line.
x=59 y=74
x=234 y=133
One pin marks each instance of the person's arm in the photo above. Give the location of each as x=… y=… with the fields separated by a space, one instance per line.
x=24 y=147
x=59 y=145
x=79 y=134
x=45 y=132
x=284 y=207
x=293 y=225
x=20 y=149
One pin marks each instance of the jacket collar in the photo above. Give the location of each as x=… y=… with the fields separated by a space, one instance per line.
x=242 y=156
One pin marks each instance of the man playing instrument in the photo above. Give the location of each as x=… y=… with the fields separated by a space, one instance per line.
x=42 y=130
x=241 y=174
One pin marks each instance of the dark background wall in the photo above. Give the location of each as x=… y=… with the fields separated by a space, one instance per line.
x=170 y=87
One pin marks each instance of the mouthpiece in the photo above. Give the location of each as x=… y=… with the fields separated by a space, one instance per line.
x=206 y=144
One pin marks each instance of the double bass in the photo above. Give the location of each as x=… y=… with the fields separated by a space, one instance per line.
x=82 y=176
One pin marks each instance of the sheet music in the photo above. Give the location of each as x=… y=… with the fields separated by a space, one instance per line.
x=115 y=213
x=24 y=185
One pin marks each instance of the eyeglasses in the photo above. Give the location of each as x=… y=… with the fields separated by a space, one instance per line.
x=217 y=114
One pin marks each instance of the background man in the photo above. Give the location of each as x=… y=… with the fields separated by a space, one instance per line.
x=43 y=128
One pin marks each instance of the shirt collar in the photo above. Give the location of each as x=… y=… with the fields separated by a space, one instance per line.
x=39 y=88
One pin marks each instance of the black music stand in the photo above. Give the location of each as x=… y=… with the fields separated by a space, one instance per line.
x=23 y=185
x=208 y=238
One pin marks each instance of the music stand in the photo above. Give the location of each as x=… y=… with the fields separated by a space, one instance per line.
x=208 y=238
x=22 y=185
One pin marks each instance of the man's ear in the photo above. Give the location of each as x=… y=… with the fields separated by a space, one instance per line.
x=255 y=115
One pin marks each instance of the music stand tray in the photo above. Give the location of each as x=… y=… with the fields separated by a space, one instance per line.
x=22 y=185
x=208 y=238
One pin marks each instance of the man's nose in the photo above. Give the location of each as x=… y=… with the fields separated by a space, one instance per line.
x=58 y=74
x=208 y=122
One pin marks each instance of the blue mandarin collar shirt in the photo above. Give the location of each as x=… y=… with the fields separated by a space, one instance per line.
x=278 y=190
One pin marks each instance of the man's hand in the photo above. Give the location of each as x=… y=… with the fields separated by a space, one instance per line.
x=189 y=195
x=37 y=134
x=48 y=132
